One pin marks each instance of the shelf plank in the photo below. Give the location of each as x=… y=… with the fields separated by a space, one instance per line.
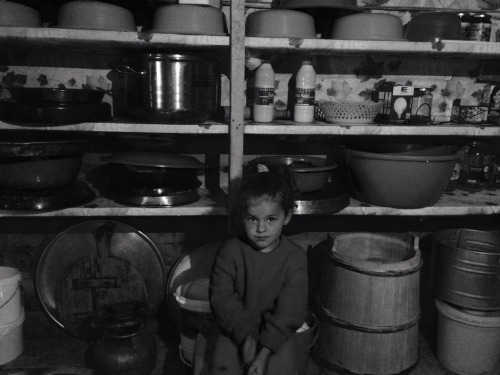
x=456 y=203
x=274 y=128
x=209 y=127
x=323 y=128
x=448 y=48
x=106 y=40
x=205 y=206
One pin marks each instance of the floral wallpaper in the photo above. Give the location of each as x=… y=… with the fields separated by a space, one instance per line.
x=70 y=78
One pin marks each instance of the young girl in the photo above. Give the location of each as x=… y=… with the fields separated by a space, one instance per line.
x=258 y=286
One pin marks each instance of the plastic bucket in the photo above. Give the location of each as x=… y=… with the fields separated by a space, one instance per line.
x=368 y=304
x=195 y=316
x=304 y=341
x=11 y=339
x=10 y=295
x=468 y=342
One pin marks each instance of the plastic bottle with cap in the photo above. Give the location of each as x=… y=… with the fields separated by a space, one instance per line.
x=263 y=106
x=305 y=92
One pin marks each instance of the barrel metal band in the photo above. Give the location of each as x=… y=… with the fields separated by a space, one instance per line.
x=387 y=273
x=334 y=320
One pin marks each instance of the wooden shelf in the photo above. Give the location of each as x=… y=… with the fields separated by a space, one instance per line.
x=205 y=206
x=448 y=48
x=323 y=128
x=455 y=203
x=209 y=127
x=108 y=41
x=274 y=128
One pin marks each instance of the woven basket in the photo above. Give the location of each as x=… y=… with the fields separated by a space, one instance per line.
x=350 y=112
x=493 y=3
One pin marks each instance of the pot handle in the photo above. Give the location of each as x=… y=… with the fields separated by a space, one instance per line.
x=125 y=69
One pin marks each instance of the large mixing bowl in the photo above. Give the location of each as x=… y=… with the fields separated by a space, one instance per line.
x=309 y=173
x=280 y=23
x=95 y=15
x=189 y=19
x=17 y=15
x=368 y=26
x=399 y=181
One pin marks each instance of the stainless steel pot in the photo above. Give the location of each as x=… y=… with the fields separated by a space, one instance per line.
x=171 y=87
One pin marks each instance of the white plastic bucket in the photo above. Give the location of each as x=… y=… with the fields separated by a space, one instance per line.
x=468 y=342
x=10 y=295
x=11 y=339
x=194 y=315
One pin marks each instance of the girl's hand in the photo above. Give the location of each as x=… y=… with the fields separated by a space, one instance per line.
x=248 y=349
x=259 y=365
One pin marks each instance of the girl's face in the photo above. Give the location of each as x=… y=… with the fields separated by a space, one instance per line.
x=263 y=222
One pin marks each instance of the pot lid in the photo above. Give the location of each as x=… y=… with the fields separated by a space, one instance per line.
x=154 y=159
x=95 y=264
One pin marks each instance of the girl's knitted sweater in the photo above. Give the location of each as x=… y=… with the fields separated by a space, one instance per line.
x=259 y=294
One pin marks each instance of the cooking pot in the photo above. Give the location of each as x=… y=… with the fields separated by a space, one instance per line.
x=172 y=88
x=32 y=95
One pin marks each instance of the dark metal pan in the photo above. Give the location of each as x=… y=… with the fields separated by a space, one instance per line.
x=55 y=95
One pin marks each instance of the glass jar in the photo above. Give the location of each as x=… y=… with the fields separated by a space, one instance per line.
x=480 y=27
x=465 y=19
x=476 y=166
x=421 y=106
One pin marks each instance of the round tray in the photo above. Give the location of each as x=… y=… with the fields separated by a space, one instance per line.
x=333 y=198
x=94 y=264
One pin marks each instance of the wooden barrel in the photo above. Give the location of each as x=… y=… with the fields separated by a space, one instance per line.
x=368 y=304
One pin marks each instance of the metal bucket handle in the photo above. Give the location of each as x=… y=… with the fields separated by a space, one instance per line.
x=125 y=69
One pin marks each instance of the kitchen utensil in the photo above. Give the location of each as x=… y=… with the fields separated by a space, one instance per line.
x=153 y=159
x=39 y=173
x=95 y=15
x=39 y=114
x=189 y=19
x=39 y=144
x=426 y=26
x=94 y=264
x=368 y=26
x=280 y=23
x=400 y=181
x=76 y=194
x=408 y=149
x=30 y=95
x=309 y=173
x=18 y=15
x=331 y=199
x=350 y=112
x=123 y=344
x=298 y=4
x=171 y=87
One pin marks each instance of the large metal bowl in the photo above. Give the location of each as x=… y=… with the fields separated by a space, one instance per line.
x=309 y=173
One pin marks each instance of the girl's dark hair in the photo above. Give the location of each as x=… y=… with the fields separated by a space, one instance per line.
x=277 y=183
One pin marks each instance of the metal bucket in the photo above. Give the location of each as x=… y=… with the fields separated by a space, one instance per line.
x=465 y=268
x=172 y=88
